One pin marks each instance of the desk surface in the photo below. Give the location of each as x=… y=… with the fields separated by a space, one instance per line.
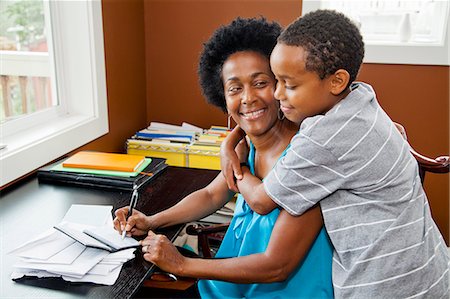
x=30 y=208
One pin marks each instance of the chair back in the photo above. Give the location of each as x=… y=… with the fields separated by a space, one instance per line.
x=426 y=164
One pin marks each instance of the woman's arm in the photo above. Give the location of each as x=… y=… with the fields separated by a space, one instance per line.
x=195 y=206
x=291 y=239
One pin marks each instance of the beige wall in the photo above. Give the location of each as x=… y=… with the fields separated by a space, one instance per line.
x=152 y=49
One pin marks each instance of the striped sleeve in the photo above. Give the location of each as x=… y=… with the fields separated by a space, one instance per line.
x=307 y=174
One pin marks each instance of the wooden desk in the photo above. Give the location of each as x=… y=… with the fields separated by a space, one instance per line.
x=30 y=208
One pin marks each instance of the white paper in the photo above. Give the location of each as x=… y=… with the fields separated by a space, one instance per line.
x=103 y=269
x=44 y=237
x=75 y=231
x=66 y=256
x=109 y=236
x=54 y=254
x=94 y=215
x=44 y=251
x=109 y=279
x=88 y=259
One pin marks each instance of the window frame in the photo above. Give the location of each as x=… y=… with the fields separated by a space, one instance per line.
x=82 y=115
x=400 y=53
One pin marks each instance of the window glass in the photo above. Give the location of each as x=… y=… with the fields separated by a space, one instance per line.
x=25 y=75
x=390 y=21
x=397 y=31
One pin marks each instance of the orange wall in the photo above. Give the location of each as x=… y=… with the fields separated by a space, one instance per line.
x=174 y=33
x=152 y=49
x=124 y=40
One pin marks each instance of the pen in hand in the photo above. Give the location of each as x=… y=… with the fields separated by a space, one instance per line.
x=133 y=201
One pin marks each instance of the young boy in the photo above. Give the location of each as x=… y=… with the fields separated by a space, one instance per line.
x=349 y=157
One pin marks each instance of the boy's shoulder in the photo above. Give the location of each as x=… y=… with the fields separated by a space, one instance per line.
x=354 y=112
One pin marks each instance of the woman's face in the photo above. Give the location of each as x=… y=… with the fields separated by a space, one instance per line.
x=248 y=87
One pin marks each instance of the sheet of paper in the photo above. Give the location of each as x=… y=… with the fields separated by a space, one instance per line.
x=45 y=250
x=95 y=215
x=75 y=231
x=109 y=236
x=44 y=237
x=109 y=279
x=88 y=259
x=66 y=256
x=103 y=269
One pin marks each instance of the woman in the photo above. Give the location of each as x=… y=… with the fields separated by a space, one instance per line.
x=293 y=253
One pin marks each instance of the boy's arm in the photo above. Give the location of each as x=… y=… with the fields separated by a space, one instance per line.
x=229 y=161
x=252 y=189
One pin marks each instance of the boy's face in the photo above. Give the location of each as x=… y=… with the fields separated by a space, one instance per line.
x=301 y=93
x=248 y=88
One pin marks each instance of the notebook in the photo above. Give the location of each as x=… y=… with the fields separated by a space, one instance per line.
x=104 y=237
x=104 y=161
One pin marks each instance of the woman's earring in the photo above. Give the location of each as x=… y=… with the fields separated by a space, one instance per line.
x=229 y=122
x=280 y=114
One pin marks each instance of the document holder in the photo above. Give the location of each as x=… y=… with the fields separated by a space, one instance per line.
x=47 y=174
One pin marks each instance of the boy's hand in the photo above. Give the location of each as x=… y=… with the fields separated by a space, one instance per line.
x=230 y=166
x=229 y=159
x=242 y=154
x=137 y=225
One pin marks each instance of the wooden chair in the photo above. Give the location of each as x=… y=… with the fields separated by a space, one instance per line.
x=426 y=164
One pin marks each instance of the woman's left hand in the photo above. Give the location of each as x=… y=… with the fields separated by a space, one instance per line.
x=160 y=251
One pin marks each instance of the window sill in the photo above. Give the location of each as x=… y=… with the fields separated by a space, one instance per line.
x=51 y=140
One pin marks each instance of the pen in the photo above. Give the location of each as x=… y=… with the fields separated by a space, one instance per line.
x=133 y=201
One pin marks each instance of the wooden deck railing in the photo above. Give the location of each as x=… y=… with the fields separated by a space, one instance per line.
x=29 y=72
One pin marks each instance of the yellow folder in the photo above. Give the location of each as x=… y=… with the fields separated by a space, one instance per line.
x=104 y=161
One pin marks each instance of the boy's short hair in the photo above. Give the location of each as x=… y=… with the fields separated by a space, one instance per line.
x=254 y=34
x=331 y=40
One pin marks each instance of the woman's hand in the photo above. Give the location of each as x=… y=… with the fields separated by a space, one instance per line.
x=160 y=251
x=137 y=225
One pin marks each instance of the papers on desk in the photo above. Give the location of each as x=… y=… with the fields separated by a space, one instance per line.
x=55 y=254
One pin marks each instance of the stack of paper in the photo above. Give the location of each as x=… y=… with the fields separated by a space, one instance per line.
x=55 y=254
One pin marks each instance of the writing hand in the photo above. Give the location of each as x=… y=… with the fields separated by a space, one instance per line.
x=137 y=225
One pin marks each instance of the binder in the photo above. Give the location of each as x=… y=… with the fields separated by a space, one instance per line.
x=47 y=174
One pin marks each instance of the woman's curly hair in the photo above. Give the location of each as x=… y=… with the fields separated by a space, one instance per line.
x=254 y=34
x=331 y=40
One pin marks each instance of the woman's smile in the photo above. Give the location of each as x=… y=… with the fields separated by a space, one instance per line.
x=254 y=114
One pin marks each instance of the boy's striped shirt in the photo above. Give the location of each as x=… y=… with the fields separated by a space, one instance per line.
x=357 y=165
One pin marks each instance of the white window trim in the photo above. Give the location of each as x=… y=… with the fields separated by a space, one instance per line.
x=81 y=88
x=407 y=53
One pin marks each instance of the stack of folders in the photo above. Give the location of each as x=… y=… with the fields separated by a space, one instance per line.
x=103 y=170
x=83 y=247
x=168 y=133
x=165 y=134
x=213 y=136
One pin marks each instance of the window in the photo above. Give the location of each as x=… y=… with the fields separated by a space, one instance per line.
x=397 y=31
x=56 y=95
